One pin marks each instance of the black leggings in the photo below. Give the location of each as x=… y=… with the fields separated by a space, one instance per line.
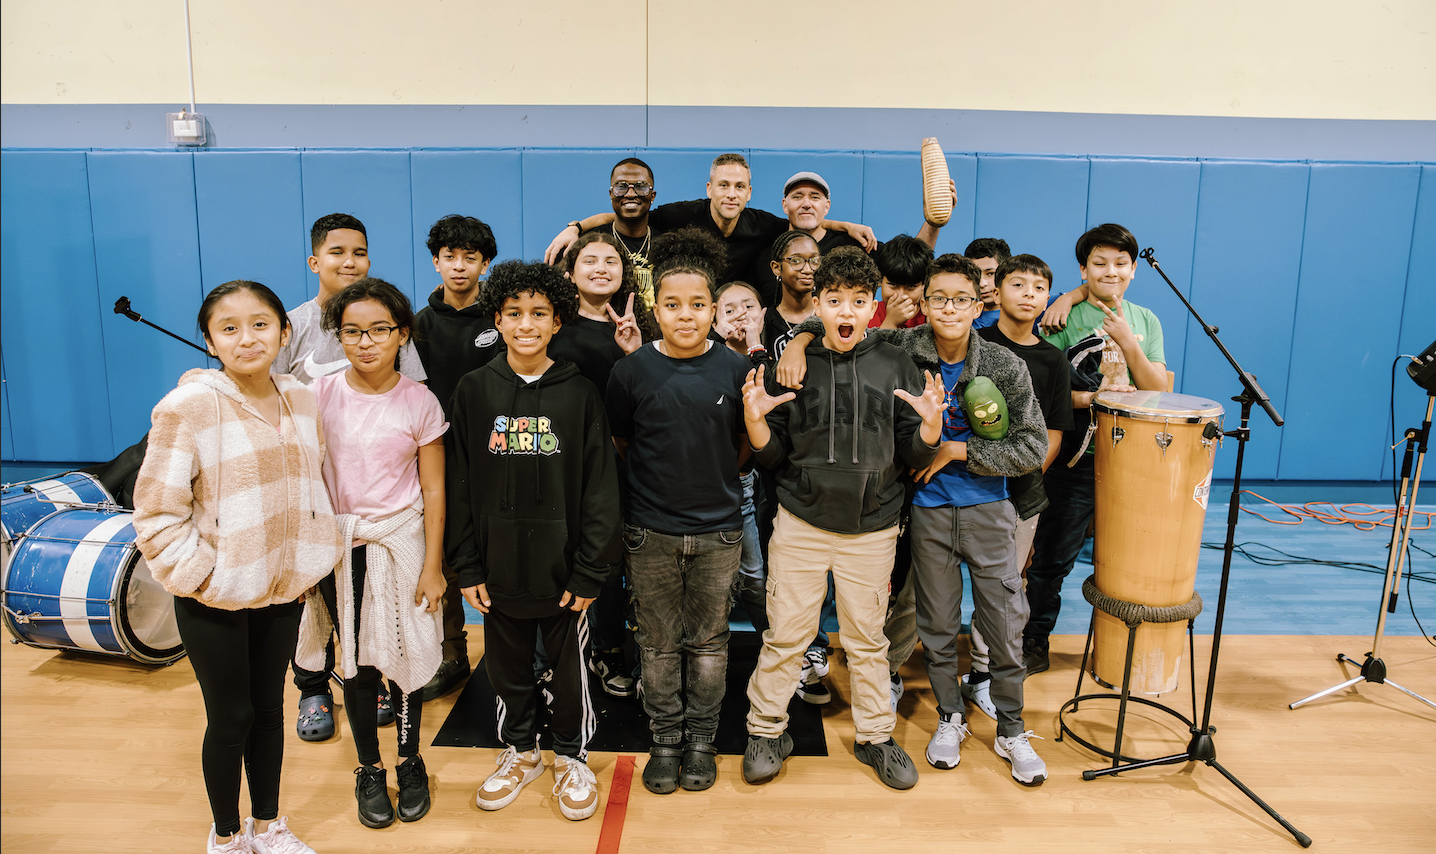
x=361 y=694
x=239 y=658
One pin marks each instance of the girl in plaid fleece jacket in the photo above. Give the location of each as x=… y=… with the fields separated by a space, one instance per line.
x=233 y=519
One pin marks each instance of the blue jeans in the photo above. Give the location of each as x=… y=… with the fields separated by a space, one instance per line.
x=752 y=574
x=1061 y=530
x=680 y=597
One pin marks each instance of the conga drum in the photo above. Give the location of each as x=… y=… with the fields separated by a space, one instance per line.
x=1153 y=475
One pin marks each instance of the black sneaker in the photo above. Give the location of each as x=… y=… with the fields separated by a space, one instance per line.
x=372 y=792
x=811 y=688
x=612 y=672
x=450 y=675
x=892 y=763
x=1034 y=654
x=413 y=789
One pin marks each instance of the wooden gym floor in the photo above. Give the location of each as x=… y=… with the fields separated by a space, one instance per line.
x=103 y=755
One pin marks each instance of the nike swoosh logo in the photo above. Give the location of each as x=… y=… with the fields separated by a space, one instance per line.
x=315 y=370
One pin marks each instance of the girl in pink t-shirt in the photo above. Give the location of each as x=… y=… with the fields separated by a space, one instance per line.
x=385 y=466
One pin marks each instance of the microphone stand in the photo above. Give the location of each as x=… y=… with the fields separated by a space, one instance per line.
x=122 y=306
x=1202 y=747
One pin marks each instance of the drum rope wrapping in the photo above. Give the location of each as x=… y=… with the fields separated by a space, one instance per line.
x=1134 y=614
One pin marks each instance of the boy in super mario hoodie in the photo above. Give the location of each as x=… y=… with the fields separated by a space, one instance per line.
x=533 y=528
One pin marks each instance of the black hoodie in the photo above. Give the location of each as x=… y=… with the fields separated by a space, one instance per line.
x=532 y=488
x=830 y=474
x=451 y=342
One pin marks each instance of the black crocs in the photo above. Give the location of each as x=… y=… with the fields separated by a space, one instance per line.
x=660 y=775
x=763 y=757
x=700 y=769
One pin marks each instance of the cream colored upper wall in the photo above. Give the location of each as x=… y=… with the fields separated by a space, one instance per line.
x=1334 y=59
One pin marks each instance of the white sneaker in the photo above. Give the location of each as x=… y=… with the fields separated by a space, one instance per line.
x=980 y=695
x=576 y=788
x=817 y=658
x=1027 y=767
x=942 y=749
x=278 y=839
x=237 y=844
x=515 y=771
x=896 y=690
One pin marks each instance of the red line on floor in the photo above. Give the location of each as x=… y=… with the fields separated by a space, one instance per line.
x=612 y=833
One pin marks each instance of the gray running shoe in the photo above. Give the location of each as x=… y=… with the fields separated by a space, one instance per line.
x=1027 y=767
x=942 y=750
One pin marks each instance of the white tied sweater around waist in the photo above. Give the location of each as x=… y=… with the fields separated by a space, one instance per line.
x=399 y=639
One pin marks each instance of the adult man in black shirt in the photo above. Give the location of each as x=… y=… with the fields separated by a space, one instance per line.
x=748 y=233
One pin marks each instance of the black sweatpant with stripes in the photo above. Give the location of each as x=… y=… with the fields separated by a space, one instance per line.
x=508 y=658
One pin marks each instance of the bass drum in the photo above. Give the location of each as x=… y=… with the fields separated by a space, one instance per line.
x=77 y=581
x=25 y=503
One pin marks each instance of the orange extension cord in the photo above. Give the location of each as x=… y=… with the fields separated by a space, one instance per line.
x=1368 y=519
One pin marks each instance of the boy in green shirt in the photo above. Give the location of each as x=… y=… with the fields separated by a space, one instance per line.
x=1129 y=338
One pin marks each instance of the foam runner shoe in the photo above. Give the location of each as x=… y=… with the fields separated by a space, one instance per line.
x=413 y=789
x=763 y=757
x=576 y=788
x=278 y=839
x=371 y=790
x=515 y=771
x=1027 y=767
x=942 y=749
x=980 y=695
x=892 y=763
x=660 y=774
x=316 y=718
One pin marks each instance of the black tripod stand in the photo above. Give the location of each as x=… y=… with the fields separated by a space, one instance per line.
x=1202 y=747
x=1374 y=669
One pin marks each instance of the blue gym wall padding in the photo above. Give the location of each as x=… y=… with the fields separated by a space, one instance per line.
x=147 y=244
x=251 y=220
x=1288 y=258
x=560 y=186
x=1246 y=263
x=1157 y=200
x=1038 y=205
x=51 y=319
x=375 y=187
x=1418 y=324
x=1359 y=220
x=7 y=440
x=483 y=184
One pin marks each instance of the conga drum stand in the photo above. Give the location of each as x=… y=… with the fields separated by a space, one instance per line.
x=1373 y=669
x=1202 y=747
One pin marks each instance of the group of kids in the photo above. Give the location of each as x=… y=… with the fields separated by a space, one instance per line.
x=631 y=436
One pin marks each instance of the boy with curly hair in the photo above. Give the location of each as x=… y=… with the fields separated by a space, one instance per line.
x=533 y=528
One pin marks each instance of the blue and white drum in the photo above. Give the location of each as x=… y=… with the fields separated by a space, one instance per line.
x=77 y=581
x=25 y=503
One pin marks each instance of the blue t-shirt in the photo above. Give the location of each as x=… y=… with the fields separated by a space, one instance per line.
x=955 y=486
x=986 y=319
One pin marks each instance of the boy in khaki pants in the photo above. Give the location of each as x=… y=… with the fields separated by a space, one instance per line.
x=835 y=449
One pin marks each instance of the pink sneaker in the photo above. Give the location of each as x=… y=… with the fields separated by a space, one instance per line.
x=278 y=839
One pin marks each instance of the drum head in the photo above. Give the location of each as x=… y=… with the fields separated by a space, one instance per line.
x=148 y=615
x=1157 y=405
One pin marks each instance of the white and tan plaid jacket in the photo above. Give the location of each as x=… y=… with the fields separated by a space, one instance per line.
x=228 y=510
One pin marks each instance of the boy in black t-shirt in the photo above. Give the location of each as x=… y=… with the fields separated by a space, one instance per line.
x=1022 y=282
x=454 y=336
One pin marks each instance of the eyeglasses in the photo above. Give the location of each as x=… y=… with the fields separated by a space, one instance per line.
x=619 y=189
x=798 y=262
x=377 y=334
x=959 y=303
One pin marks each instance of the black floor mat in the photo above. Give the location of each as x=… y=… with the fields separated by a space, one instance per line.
x=622 y=725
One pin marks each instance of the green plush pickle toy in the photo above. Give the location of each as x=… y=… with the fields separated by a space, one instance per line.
x=986 y=409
